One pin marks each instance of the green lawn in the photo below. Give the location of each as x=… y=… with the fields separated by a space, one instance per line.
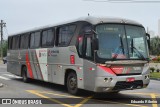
x=155 y=75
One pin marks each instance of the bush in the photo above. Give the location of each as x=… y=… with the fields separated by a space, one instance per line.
x=158 y=59
x=158 y=70
x=152 y=69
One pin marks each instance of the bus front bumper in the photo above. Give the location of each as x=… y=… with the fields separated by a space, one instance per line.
x=118 y=83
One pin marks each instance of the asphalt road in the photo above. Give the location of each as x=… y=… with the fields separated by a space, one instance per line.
x=52 y=95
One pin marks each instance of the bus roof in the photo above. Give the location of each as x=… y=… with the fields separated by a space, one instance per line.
x=90 y=19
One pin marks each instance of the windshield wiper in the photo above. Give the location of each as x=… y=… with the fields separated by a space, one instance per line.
x=139 y=53
x=117 y=52
x=120 y=47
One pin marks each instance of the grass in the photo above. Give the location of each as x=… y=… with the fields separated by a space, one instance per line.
x=155 y=75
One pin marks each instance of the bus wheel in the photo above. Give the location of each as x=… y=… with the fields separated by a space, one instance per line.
x=114 y=92
x=24 y=75
x=72 y=83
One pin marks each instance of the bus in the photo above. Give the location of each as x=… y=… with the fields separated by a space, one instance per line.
x=99 y=54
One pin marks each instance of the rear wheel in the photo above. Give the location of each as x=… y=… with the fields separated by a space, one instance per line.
x=72 y=85
x=24 y=75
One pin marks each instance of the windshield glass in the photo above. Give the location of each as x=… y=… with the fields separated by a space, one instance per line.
x=137 y=42
x=117 y=41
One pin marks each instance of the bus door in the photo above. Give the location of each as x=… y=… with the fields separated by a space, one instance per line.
x=89 y=65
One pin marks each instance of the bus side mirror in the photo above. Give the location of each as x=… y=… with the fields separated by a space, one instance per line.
x=95 y=44
x=148 y=39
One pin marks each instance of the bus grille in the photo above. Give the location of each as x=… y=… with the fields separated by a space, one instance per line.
x=123 y=85
x=128 y=74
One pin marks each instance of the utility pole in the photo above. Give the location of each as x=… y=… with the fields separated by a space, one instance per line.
x=2 y=24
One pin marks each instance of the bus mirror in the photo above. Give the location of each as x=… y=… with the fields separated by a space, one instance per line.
x=148 y=39
x=95 y=44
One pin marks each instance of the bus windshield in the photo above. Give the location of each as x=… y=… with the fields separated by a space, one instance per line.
x=117 y=41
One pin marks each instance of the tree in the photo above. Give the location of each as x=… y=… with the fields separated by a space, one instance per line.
x=155 y=46
x=4 y=46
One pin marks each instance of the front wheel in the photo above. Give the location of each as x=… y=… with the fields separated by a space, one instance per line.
x=24 y=75
x=115 y=92
x=72 y=85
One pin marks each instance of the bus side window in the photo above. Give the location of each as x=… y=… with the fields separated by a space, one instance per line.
x=80 y=45
x=9 y=43
x=47 y=38
x=84 y=43
x=35 y=40
x=88 y=47
x=24 y=41
x=32 y=40
x=65 y=34
x=44 y=38
x=50 y=38
x=15 y=42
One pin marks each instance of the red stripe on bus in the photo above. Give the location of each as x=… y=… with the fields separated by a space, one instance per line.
x=29 y=66
x=117 y=69
x=39 y=67
x=107 y=70
x=128 y=70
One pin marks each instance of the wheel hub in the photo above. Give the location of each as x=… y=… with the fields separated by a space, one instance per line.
x=72 y=83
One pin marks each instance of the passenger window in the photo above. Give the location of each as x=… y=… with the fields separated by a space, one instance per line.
x=15 y=42
x=10 y=43
x=24 y=41
x=50 y=38
x=65 y=35
x=44 y=38
x=35 y=40
x=32 y=40
x=47 y=38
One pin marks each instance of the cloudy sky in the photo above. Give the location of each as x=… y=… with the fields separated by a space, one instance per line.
x=21 y=15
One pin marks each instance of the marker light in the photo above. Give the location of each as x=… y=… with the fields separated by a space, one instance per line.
x=80 y=39
x=72 y=59
x=91 y=69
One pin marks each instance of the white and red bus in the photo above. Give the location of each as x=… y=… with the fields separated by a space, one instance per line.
x=98 y=54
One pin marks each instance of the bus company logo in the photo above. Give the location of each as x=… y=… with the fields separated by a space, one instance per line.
x=42 y=53
x=137 y=68
x=53 y=52
x=6 y=101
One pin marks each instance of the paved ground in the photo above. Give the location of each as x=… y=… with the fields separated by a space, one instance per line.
x=58 y=96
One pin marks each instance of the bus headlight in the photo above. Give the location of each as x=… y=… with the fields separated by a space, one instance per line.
x=108 y=79
x=105 y=79
x=147 y=76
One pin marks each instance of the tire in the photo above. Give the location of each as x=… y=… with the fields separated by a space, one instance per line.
x=72 y=85
x=24 y=75
x=114 y=92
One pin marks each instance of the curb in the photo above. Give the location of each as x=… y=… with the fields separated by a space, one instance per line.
x=1 y=85
x=158 y=79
